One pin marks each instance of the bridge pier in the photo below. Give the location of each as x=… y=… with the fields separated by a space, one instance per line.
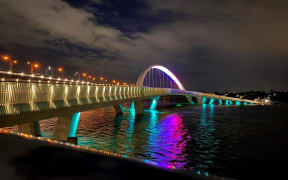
x=32 y=128
x=199 y=100
x=66 y=127
x=154 y=102
x=211 y=101
x=139 y=107
x=189 y=98
x=219 y=102
x=118 y=109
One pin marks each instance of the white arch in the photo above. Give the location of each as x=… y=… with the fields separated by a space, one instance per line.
x=141 y=78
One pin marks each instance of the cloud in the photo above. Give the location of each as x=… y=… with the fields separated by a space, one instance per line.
x=200 y=37
x=247 y=27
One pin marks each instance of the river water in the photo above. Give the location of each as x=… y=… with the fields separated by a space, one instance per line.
x=234 y=142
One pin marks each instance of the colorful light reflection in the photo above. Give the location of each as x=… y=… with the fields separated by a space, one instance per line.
x=166 y=138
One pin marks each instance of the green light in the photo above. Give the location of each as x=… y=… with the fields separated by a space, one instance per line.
x=178 y=105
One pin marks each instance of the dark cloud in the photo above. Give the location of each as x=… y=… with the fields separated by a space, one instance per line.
x=211 y=45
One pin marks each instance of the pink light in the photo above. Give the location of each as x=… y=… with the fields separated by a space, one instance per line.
x=170 y=74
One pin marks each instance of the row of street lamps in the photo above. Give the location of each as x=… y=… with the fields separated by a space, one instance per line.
x=60 y=70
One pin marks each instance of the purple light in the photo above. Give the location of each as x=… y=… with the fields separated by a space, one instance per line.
x=167 y=139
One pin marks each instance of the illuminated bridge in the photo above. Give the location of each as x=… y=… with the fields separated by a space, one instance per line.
x=27 y=99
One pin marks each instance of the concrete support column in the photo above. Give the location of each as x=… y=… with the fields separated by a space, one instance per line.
x=211 y=101
x=66 y=127
x=199 y=100
x=118 y=109
x=32 y=128
x=154 y=102
x=189 y=98
x=219 y=102
x=139 y=107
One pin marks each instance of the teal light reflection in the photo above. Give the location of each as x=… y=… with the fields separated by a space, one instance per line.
x=245 y=103
x=130 y=129
x=74 y=124
x=238 y=103
x=205 y=140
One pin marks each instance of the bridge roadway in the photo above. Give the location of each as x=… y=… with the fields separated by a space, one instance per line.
x=26 y=101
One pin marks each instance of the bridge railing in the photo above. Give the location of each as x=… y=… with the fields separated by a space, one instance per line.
x=17 y=97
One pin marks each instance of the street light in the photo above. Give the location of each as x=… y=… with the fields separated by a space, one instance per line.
x=11 y=62
x=33 y=66
x=77 y=73
x=94 y=79
x=84 y=75
x=29 y=66
x=60 y=69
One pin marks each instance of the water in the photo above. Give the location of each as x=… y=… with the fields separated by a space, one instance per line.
x=234 y=142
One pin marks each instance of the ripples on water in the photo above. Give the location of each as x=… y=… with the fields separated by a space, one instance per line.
x=225 y=141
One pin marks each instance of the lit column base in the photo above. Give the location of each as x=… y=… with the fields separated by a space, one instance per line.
x=32 y=128
x=66 y=127
x=118 y=109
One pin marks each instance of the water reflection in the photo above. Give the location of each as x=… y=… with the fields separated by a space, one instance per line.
x=166 y=144
x=155 y=137
x=204 y=139
x=158 y=136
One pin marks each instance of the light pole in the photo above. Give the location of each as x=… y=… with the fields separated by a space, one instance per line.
x=34 y=65
x=60 y=70
x=94 y=79
x=77 y=73
x=29 y=65
x=84 y=75
x=49 y=68
x=11 y=62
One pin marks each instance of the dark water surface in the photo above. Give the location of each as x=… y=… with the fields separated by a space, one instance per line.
x=235 y=141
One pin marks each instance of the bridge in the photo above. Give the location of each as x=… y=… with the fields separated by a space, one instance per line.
x=26 y=99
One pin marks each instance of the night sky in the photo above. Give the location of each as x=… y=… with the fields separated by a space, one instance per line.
x=211 y=45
